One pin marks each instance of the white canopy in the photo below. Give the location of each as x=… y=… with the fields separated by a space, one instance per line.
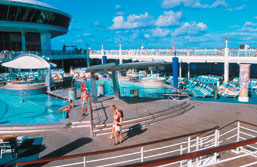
x=27 y=61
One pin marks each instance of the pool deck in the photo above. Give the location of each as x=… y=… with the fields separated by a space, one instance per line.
x=79 y=140
x=102 y=111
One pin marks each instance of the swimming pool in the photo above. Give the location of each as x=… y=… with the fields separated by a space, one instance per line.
x=32 y=109
x=126 y=88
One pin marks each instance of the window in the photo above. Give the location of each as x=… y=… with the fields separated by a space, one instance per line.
x=10 y=41
x=33 y=42
x=3 y=12
x=26 y=14
x=12 y=13
x=21 y=13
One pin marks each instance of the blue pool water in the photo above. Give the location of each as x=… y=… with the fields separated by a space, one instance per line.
x=126 y=88
x=31 y=110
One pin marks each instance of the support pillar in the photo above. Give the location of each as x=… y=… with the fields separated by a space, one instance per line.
x=104 y=58
x=23 y=41
x=175 y=72
x=226 y=71
x=180 y=70
x=88 y=61
x=93 y=87
x=48 y=79
x=88 y=56
x=116 y=86
x=188 y=70
x=45 y=38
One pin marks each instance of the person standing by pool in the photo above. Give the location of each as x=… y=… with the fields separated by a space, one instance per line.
x=118 y=124
x=84 y=101
x=68 y=108
x=115 y=114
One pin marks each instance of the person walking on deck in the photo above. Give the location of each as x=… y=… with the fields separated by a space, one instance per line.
x=118 y=129
x=115 y=114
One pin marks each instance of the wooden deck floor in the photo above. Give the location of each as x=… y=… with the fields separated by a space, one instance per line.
x=204 y=115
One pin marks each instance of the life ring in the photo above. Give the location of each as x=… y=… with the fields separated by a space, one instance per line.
x=83 y=86
x=219 y=53
x=255 y=54
x=5 y=56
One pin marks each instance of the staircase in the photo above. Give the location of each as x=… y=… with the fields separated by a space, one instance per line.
x=147 y=119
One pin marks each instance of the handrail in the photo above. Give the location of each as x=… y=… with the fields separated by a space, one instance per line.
x=233 y=123
x=194 y=154
x=112 y=150
x=8 y=137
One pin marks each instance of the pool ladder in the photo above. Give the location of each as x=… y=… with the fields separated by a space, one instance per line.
x=25 y=96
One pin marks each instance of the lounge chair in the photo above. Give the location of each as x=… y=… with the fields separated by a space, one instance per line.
x=10 y=144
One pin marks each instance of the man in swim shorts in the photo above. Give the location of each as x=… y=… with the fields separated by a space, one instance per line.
x=84 y=101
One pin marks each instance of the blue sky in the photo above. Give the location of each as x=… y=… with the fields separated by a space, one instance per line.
x=158 y=23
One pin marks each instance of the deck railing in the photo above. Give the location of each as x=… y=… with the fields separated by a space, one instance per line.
x=140 y=150
x=179 y=52
x=199 y=149
x=198 y=154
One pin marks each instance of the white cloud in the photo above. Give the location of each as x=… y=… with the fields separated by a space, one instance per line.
x=190 y=29
x=217 y=3
x=240 y=7
x=133 y=21
x=236 y=9
x=147 y=36
x=117 y=6
x=158 y=32
x=96 y=23
x=234 y=26
x=192 y=3
x=168 y=19
x=120 y=13
x=86 y=34
x=249 y=27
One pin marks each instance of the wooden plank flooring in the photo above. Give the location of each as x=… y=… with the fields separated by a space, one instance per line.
x=204 y=115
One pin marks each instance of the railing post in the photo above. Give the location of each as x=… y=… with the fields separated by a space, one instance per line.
x=189 y=161
x=238 y=135
x=181 y=152
x=197 y=147
x=216 y=144
x=84 y=160
x=142 y=154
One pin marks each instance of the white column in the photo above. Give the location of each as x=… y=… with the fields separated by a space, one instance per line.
x=102 y=50
x=48 y=79
x=226 y=71
x=180 y=69
x=23 y=41
x=188 y=70
x=120 y=54
x=45 y=41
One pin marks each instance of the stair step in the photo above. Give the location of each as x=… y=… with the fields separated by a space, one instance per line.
x=146 y=120
x=153 y=115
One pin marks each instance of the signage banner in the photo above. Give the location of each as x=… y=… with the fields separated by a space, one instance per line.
x=244 y=81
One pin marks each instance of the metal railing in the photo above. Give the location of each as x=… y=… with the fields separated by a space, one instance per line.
x=179 y=52
x=140 y=150
x=195 y=149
